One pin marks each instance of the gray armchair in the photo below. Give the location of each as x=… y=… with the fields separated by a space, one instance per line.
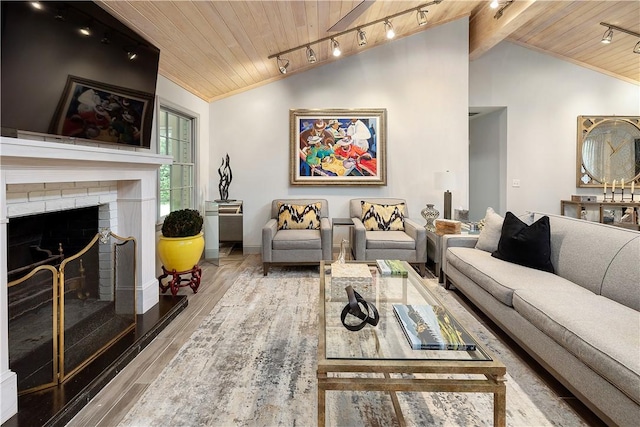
x=296 y=246
x=408 y=245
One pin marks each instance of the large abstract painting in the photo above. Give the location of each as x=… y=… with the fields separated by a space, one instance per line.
x=343 y=147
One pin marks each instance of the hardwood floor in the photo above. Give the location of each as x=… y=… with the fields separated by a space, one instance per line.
x=110 y=406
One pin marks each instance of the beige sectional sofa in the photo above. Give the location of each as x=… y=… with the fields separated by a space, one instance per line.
x=581 y=323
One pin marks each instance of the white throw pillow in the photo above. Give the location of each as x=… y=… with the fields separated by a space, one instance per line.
x=490 y=235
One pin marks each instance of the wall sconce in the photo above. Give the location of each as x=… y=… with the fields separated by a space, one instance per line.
x=388 y=29
x=421 y=17
x=335 y=48
x=311 y=55
x=283 y=64
x=362 y=37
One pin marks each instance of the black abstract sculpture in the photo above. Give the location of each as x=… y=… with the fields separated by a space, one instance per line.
x=225 y=179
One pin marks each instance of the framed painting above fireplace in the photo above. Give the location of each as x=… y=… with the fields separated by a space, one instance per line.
x=97 y=111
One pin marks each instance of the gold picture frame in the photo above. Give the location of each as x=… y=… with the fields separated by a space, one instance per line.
x=338 y=147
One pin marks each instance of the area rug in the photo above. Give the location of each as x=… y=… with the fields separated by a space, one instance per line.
x=252 y=362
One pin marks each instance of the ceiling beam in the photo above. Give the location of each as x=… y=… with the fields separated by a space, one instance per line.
x=485 y=31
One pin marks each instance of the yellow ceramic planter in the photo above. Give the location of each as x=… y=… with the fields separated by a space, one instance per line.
x=180 y=253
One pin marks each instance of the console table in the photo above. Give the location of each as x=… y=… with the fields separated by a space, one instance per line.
x=230 y=220
x=601 y=212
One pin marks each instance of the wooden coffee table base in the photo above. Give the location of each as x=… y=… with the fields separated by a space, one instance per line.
x=491 y=384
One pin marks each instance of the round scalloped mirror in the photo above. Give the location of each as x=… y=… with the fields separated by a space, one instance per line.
x=608 y=149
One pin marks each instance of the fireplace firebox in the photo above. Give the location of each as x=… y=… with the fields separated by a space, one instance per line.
x=67 y=310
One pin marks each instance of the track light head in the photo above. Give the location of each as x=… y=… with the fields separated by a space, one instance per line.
x=36 y=5
x=388 y=29
x=421 y=17
x=106 y=38
x=59 y=15
x=85 y=31
x=283 y=64
x=131 y=55
x=608 y=35
x=494 y=4
x=362 y=37
x=636 y=48
x=311 y=55
x=335 y=48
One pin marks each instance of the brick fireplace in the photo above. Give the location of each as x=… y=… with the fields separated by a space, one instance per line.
x=48 y=176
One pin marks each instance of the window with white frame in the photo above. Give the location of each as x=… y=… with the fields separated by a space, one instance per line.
x=176 y=133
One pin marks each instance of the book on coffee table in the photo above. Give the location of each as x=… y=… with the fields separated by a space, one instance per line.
x=391 y=267
x=430 y=327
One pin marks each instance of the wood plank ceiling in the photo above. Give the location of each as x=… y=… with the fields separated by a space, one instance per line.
x=218 y=48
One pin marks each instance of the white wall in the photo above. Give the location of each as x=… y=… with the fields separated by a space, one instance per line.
x=544 y=96
x=421 y=80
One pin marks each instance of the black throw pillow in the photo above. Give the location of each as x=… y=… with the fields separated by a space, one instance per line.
x=528 y=245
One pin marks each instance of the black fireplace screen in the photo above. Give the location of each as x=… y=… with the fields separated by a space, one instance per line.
x=62 y=317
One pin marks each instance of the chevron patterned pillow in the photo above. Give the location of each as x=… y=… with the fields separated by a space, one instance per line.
x=377 y=217
x=299 y=217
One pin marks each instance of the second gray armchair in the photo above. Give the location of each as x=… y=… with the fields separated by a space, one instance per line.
x=383 y=230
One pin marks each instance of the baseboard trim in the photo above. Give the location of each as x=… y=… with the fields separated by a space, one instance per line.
x=9 y=393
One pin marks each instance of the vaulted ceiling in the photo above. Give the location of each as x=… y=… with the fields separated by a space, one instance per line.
x=218 y=48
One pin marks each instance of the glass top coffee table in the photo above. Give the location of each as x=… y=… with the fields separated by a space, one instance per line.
x=384 y=350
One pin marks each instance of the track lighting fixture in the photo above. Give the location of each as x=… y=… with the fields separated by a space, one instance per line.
x=608 y=35
x=335 y=48
x=421 y=17
x=388 y=29
x=85 y=31
x=362 y=37
x=311 y=55
x=131 y=55
x=502 y=5
x=36 y=5
x=283 y=64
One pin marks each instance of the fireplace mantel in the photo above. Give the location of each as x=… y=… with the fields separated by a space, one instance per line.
x=36 y=154
x=25 y=161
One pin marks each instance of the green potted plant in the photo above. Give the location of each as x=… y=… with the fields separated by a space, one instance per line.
x=182 y=242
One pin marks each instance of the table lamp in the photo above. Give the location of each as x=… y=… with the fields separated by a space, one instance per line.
x=446 y=181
